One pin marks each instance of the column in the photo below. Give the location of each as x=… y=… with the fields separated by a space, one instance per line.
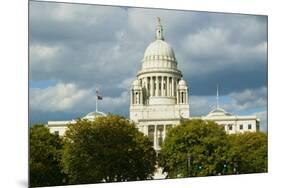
x=162 y=86
x=173 y=84
x=186 y=97
x=141 y=97
x=146 y=82
x=146 y=91
x=177 y=93
x=151 y=86
x=157 y=86
x=180 y=96
x=168 y=86
x=155 y=136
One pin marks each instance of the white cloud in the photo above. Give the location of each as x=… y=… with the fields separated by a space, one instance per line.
x=233 y=102
x=68 y=97
x=248 y=99
x=60 y=97
x=200 y=105
x=212 y=49
x=126 y=84
x=117 y=105
x=41 y=52
x=206 y=42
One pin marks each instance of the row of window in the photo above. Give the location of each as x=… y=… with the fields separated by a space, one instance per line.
x=230 y=127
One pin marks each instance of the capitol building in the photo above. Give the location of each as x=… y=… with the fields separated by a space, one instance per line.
x=159 y=98
x=159 y=95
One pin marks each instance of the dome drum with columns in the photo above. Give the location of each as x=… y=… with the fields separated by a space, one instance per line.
x=159 y=95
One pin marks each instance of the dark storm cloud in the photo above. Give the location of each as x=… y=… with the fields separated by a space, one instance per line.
x=69 y=23
x=81 y=47
x=229 y=79
x=94 y=41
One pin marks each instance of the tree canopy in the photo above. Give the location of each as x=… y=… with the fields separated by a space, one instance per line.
x=105 y=150
x=112 y=149
x=194 y=148
x=45 y=157
x=202 y=148
x=247 y=153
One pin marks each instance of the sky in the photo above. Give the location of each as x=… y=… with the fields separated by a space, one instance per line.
x=76 y=48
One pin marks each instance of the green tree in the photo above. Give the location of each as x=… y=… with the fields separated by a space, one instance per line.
x=247 y=153
x=45 y=157
x=194 y=148
x=107 y=149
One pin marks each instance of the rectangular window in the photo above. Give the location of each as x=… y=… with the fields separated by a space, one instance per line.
x=249 y=126
x=230 y=127
x=241 y=127
x=57 y=132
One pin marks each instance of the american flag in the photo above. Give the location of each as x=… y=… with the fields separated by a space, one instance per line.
x=99 y=97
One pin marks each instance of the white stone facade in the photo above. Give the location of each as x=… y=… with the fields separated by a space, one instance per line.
x=232 y=123
x=159 y=95
x=59 y=127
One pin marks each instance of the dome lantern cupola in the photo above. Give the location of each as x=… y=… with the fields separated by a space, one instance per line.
x=159 y=30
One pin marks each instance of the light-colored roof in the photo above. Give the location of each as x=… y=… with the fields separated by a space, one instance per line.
x=90 y=116
x=93 y=115
x=159 y=50
x=218 y=112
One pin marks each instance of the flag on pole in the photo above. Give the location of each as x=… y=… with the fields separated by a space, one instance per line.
x=99 y=97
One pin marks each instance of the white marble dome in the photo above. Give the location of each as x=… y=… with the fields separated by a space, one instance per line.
x=159 y=50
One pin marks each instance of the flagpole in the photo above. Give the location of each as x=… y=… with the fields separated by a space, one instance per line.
x=217 y=96
x=96 y=99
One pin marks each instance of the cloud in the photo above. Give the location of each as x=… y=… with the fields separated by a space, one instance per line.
x=236 y=102
x=60 y=97
x=247 y=102
x=102 y=40
x=81 y=47
x=200 y=105
x=68 y=97
x=248 y=99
